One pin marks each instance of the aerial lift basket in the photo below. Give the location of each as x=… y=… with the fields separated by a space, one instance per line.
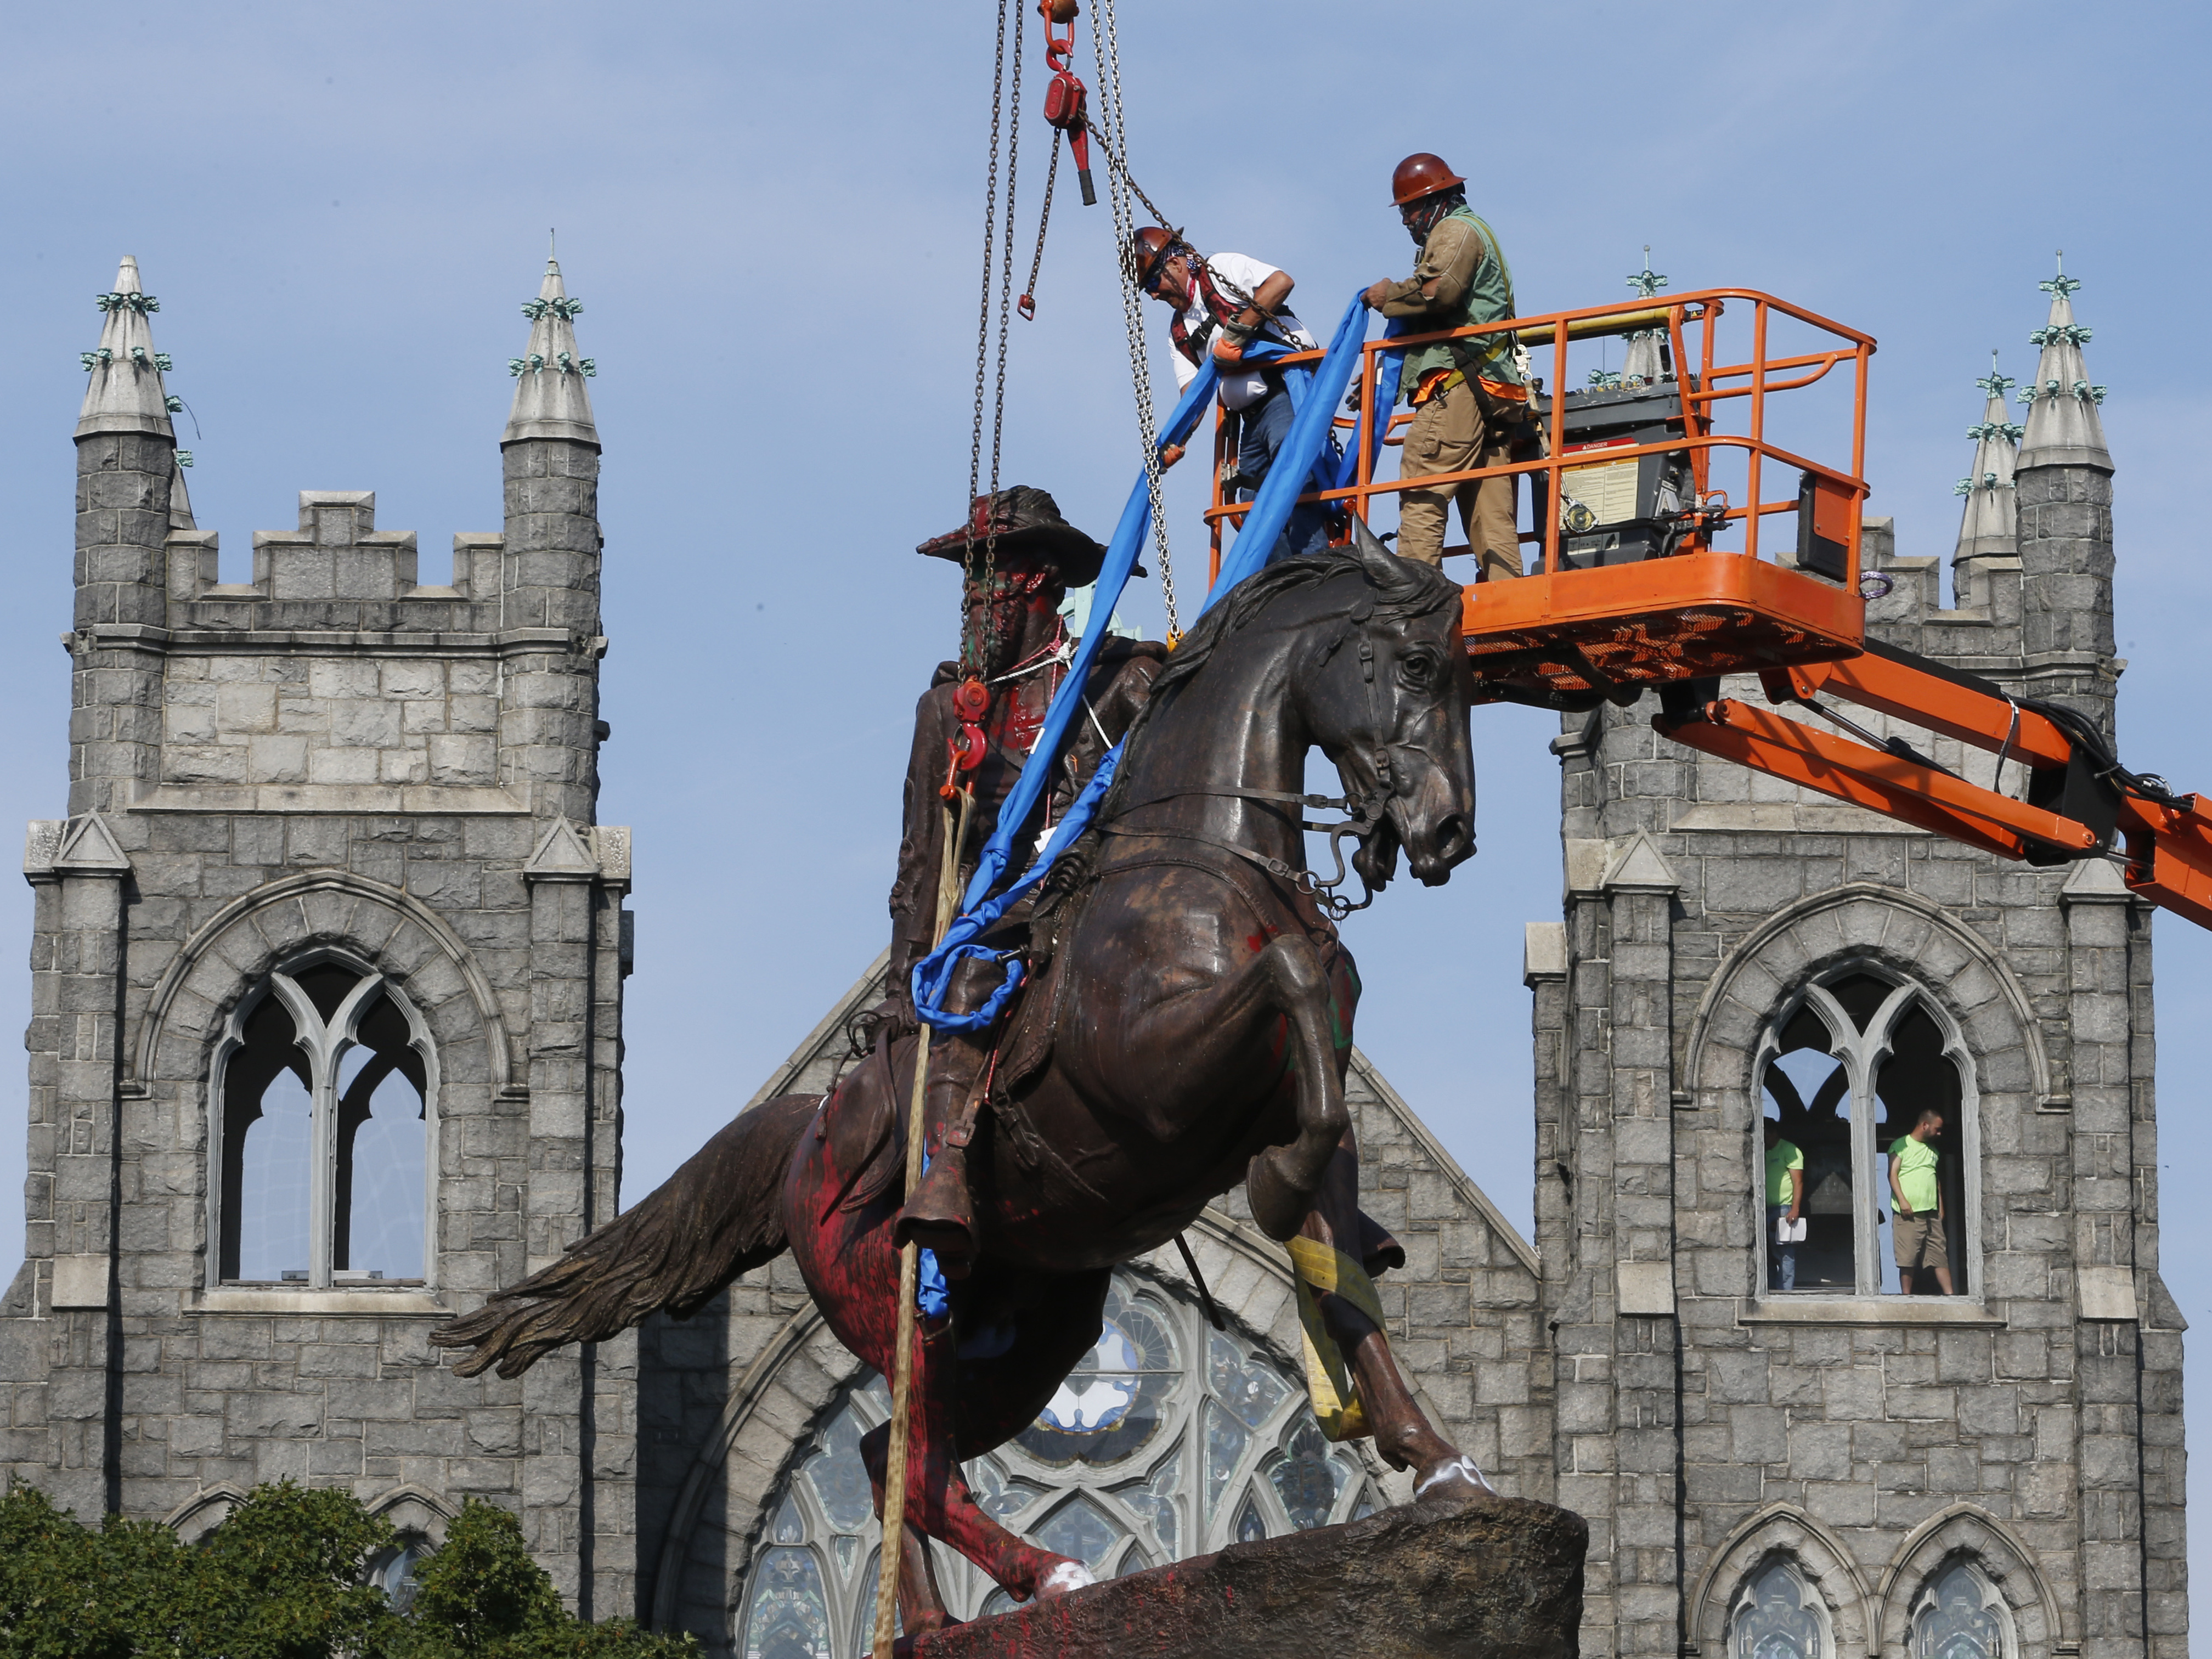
x=1643 y=571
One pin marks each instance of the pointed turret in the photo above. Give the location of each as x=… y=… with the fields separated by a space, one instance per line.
x=551 y=561
x=2064 y=492
x=2063 y=427
x=1989 y=528
x=125 y=392
x=550 y=399
x=128 y=492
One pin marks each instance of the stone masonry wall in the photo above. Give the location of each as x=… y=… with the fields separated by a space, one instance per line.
x=1701 y=1425
x=330 y=721
x=335 y=760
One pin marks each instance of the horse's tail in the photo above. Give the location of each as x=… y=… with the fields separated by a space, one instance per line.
x=718 y=1216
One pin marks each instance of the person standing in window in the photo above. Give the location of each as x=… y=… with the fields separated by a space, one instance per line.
x=1785 y=1207
x=1916 y=1202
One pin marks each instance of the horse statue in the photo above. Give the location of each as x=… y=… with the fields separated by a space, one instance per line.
x=1186 y=1024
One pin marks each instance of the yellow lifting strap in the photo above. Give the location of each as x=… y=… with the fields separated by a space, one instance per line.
x=1329 y=1383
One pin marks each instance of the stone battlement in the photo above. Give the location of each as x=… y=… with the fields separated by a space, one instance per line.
x=335 y=572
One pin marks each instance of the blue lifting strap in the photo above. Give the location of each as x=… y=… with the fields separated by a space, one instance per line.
x=1298 y=466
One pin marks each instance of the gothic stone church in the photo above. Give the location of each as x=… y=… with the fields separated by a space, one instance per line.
x=326 y=1039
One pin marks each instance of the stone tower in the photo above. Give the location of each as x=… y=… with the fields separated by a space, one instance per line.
x=327 y=982
x=1781 y=1449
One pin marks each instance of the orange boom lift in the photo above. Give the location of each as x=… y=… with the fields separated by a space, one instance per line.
x=1633 y=589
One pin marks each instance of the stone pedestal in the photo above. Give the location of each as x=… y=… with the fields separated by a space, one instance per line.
x=1497 y=1578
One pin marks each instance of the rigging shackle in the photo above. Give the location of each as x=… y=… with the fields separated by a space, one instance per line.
x=971 y=701
x=1065 y=96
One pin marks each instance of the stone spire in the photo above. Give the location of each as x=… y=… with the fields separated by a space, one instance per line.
x=125 y=393
x=1988 y=530
x=550 y=399
x=2062 y=492
x=2063 y=428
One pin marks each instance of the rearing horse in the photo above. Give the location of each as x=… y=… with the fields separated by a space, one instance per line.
x=1188 y=1025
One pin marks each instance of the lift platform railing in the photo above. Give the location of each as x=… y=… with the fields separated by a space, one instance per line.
x=1678 y=621
x=1689 y=321
x=1614 y=607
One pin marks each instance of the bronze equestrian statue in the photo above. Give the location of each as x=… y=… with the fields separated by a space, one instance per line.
x=1014 y=651
x=1186 y=1024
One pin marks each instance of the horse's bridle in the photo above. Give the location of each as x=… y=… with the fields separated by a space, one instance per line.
x=1366 y=815
x=1366 y=818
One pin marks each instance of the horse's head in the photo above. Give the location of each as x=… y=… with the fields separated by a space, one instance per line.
x=1387 y=703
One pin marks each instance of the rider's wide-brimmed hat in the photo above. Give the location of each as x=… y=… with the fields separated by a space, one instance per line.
x=1030 y=529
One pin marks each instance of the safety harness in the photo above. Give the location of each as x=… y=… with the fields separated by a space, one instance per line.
x=1221 y=313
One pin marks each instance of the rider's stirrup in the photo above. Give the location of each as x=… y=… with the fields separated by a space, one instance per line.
x=939 y=1216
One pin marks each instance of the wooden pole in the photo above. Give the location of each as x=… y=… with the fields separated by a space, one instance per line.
x=894 y=1517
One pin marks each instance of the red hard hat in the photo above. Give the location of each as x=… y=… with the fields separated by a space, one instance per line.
x=1421 y=175
x=1149 y=249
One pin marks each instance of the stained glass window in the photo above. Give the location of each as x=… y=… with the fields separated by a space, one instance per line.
x=1250 y=1526
x=1078 y=1527
x=788 y=1619
x=1779 y=1615
x=1305 y=1477
x=1110 y=1407
x=394 y=1571
x=1168 y=1440
x=1959 y=1615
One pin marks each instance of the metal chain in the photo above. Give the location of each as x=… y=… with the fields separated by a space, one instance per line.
x=1111 y=130
x=1036 y=265
x=1000 y=243
x=1115 y=165
x=1006 y=307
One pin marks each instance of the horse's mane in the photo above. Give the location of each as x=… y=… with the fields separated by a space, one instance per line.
x=1425 y=588
x=1430 y=589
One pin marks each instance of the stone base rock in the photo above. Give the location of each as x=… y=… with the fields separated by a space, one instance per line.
x=1493 y=1578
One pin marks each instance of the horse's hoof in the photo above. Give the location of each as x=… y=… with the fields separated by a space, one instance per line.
x=1279 y=1207
x=1067 y=1576
x=1450 y=1480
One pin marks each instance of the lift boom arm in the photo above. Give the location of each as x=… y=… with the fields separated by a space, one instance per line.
x=2078 y=800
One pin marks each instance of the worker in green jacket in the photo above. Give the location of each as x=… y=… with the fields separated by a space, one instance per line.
x=1470 y=398
x=1915 y=1202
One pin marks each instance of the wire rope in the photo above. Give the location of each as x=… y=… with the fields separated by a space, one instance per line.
x=1111 y=128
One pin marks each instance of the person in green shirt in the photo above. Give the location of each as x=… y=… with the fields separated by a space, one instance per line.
x=1916 y=1226
x=1785 y=1205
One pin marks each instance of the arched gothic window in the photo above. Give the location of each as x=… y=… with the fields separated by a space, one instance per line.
x=1169 y=1440
x=1958 y=1614
x=1779 y=1615
x=325 y=1086
x=1845 y=1072
x=395 y=1568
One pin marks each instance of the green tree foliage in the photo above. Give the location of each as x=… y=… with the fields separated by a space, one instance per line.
x=284 y=1578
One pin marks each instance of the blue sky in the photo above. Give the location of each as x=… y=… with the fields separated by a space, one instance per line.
x=773 y=214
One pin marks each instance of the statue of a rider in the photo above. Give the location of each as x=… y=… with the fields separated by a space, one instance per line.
x=973 y=729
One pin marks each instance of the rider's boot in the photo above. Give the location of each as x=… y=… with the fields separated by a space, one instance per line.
x=940 y=1215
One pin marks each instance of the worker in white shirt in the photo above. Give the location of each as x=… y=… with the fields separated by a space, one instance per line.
x=1222 y=302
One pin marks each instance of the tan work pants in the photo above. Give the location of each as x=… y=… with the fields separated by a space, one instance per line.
x=1450 y=434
